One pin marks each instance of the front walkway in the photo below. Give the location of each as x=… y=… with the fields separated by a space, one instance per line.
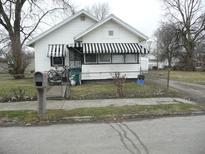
x=73 y=104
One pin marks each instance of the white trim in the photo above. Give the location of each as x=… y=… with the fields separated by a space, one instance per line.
x=116 y=19
x=59 y=25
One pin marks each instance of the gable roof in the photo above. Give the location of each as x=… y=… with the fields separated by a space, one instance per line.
x=60 y=25
x=117 y=20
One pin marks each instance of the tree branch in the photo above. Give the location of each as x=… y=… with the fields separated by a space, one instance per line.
x=38 y=22
x=8 y=26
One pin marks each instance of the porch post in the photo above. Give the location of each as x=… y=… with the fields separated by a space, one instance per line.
x=84 y=58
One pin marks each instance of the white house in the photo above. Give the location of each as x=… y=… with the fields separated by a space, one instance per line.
x=97 y=48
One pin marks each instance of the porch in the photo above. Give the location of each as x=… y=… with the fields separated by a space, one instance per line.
x=102 y=60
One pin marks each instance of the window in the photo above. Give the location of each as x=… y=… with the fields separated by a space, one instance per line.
x=132 y=58
x=104 y=58
x=111 y=33
x=118 y=58
x=57 y=61
x=91 y=58
x=82 y=18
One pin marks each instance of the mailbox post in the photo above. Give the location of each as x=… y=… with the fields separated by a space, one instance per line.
x=40 y=81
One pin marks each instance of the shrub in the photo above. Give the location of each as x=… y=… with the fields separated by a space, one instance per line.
x=119 y=82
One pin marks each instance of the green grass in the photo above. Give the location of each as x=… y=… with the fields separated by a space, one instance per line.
x=8 y=84
x=193 y=77
x=89 y=90
x=103 y=112
x=107 y=89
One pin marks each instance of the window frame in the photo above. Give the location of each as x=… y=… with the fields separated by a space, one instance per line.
x=123 y=58
x=86 y=62
x=136 y=56
x=137 y=59
x=54 y=65
x=103 y=62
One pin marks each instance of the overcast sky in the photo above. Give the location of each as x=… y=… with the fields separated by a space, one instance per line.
x=144 y=15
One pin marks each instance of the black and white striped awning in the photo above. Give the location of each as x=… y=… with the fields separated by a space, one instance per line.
x=57 y=50
x=113 y=48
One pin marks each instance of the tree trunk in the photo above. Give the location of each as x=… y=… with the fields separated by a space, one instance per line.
x=189 y=63
x=168 y=77
x=169 y=70
x=189 y=58
x=16 y=51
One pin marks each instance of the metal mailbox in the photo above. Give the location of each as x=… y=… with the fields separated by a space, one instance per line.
x=40 y=79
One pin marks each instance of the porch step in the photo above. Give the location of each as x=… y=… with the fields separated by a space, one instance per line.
x=56 y=92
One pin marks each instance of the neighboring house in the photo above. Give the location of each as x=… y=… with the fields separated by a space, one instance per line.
x=154 y=63
x=97 y=48
x=200 y=56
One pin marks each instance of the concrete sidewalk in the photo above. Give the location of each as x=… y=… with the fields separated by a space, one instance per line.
x=73 y=104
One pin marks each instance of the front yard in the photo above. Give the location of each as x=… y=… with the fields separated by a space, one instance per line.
x=104 y=89
x=10 y=87
x=107 y=89
x=89 y=90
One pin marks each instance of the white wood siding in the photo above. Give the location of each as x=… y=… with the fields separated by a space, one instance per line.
x=106 y=71
x=63 y=35
x=100 y=35
x=144 y=61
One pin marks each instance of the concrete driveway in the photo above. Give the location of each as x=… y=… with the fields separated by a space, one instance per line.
x=192 y=91
x=179 y=135
x=195 y=92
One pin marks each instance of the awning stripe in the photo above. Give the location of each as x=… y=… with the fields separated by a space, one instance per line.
x=141 y=49
x=117 y=47
x=113 y=48
x=129 y=48
x=133 y=47
x=121 y=48
x=57 y=50
x=126 y=48
x=93 y=48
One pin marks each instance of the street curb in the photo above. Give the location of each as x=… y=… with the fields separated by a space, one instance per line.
x=105 y=119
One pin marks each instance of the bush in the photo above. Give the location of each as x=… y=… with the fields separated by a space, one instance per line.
x=119 y=82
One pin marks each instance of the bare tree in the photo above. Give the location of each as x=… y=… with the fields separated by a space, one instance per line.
x=167 y=44
x=119 y=81
x=99 y=10
x=189 y=17
x=19 y=19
